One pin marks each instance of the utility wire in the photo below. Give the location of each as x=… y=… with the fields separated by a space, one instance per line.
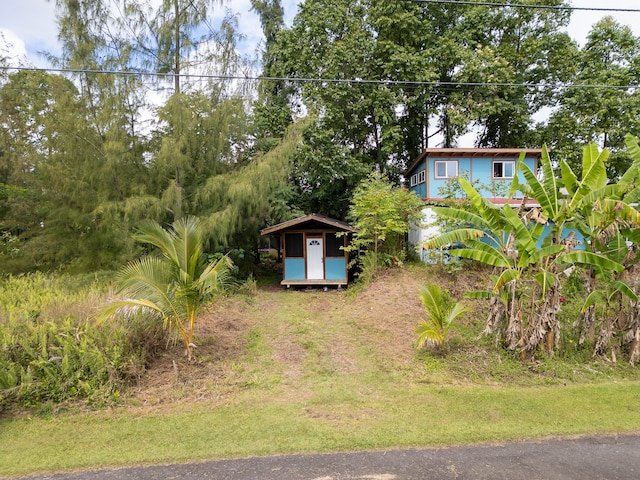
x=353 y=81
x=522 y=5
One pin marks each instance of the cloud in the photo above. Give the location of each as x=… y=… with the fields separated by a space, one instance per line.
x=30 y=26
x=12 y=47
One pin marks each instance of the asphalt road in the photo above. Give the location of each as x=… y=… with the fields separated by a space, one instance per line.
x=607 y=458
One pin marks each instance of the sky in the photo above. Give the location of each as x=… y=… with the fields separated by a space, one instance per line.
x=30 y=27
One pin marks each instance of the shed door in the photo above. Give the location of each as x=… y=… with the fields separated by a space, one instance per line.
x=315 y=266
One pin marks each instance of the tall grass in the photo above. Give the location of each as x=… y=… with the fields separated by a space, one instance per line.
x=52 y=352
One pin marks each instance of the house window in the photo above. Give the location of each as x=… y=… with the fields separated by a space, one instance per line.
x=417 y=178
x=446 y=169
x=334 y=245
x=503 y=169
x=294 y=245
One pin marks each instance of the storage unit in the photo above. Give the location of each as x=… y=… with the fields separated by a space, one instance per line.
x=311 y=249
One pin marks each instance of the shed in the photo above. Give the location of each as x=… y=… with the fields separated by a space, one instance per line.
x=311 y=249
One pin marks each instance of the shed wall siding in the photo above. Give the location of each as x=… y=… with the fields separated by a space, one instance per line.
x=294 y=269
x=335 y=269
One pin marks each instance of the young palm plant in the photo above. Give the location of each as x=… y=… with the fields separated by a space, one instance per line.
x=441 y=313
x=174 y=285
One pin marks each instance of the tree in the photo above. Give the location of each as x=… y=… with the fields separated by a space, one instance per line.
x=271 y=111
x=165 y=37
x=175 y=285
x=60 y=167
x=593 y=113
x=235 y=205
x=511 y=46
x=389 y=76
x=382 y=212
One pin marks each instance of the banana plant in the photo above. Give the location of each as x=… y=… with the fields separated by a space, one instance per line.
x=505 y=239
x=498 y=237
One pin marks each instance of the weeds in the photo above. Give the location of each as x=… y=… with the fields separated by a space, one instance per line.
x=52 y=353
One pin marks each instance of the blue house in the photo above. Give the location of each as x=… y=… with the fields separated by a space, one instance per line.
x=433 y=175
x=490 y=170
x=311 y=250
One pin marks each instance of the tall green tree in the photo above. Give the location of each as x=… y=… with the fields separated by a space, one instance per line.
x=516 y=46
x=419 y=56
x=173 y=37
x=200 y=135
x=54 y=157
x=593 y=113
x=271 y=111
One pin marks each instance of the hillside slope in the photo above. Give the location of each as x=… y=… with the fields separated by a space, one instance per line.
x=290 y=343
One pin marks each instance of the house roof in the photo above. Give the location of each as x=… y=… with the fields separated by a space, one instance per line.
x=475 y=152
x=310 y=221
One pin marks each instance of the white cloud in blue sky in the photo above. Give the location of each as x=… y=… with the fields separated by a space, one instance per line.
x=30 y=26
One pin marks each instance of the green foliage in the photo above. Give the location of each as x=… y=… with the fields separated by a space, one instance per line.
x=50 y=350
x=441 y=312
x=526 y=288
x=173 y=286
x=599 y=115
x=381 y=212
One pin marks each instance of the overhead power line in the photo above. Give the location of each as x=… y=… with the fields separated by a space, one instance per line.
x=352 y=81
x=523 y=5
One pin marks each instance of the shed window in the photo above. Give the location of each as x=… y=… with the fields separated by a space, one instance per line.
x=294 y=245
x=502 y=169
x=334 y=244
x=446 y=169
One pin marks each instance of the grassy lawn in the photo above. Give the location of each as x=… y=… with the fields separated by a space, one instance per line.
x=335 y=417
x=283 y=372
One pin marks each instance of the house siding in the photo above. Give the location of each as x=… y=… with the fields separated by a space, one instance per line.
x=477 y=168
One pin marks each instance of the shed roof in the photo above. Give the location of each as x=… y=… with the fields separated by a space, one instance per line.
x=310 y=220
x=475 y=152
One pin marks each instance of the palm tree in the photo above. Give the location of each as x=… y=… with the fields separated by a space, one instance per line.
x=441 y=313
x=174 y=285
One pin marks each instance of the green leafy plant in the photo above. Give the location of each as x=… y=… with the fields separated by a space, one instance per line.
x=172 y=286
x=441 y=312
x=51 y=353
x=381 y=212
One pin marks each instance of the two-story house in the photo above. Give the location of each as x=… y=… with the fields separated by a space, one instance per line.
x=433 y=176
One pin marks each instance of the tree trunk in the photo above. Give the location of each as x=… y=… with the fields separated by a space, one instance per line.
x=586 y=321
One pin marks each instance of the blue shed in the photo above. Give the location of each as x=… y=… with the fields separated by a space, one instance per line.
x=311 y=249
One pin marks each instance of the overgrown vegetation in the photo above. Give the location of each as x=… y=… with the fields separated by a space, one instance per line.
x=174 y=285
x=51 y=351
x=586 y=222
x=315 y=371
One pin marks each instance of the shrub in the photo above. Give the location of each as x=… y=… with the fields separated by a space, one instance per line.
x=441 y=312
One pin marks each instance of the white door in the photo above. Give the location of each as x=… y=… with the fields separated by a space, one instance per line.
x=315 y=266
